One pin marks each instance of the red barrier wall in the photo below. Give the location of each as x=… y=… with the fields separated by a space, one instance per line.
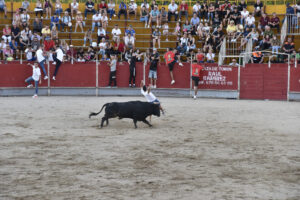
x=258 y=81
x=295 y=79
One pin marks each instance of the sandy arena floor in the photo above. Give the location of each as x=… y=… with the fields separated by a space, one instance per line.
x=200 y=150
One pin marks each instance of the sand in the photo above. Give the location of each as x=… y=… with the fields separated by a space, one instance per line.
x=204 y=149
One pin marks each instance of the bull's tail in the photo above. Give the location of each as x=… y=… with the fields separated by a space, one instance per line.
x=94 y=114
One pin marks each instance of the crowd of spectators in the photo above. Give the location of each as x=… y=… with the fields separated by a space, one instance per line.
x=206 y=27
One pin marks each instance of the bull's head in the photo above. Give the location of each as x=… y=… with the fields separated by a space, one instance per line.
x=156 y=110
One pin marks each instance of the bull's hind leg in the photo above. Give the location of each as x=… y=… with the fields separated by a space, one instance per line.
x=107 y=122
x=134 y=121
x=102 y=121
x=146 y=122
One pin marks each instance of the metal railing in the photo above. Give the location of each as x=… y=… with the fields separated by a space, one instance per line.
x=292 y=23
x=222 y=52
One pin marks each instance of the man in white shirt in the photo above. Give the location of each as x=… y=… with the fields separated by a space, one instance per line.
x=41 y=60
x=250 y=21
x=102 y=47
x=132 y=8
x=58 y=58
x=96 y=21
x=129 y=41
x=244 y=15
x=116 y=32
x=25 y=19
x=196 y=8
x=36 y=77
x=101 y=34
x=172 y=10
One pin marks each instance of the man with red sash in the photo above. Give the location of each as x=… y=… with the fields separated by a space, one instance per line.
x=196 y=73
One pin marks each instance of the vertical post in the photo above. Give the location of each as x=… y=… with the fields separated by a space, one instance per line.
x=288 y=83
x=97 y=76
x=48 y=72
x=191 y=83
x=72 y=59
x=239 y=81
x=21 y=59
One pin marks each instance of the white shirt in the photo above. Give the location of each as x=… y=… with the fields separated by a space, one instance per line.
x=132 y=6
x=245 y=14
x=104 y=18
x=101 y=32
x=39 y=55
x=146 y=6
x=74 y=5
x=102 y=45
x=36 y=73
x=250 y=20
x=96 y=18
x=210 y=56
x=116 y=32
x=196 y=8
x=111 y=6
x=172 y=8
x=59 y=54
x=25 y=18
x=149 y=96
x=2 y=46
x=28 y=54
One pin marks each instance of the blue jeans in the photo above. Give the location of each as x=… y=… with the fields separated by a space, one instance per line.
x=275 y=49
x=90 y=11
x=84 y=40
x=144 y=19
x=95 y=24
x=102 y=52
x=111 y=12
x=42 y=64
x=58 y=11
x=57 y=26
x=210 y=61
x=36 y=83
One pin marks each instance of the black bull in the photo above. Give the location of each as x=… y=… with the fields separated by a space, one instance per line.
x=136 y=110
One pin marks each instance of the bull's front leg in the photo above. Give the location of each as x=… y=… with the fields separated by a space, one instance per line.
x=146 y=122
x=134 y=121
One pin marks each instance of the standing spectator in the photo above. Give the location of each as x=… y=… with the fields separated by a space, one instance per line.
x=58 y=8
x=275 y=43
x=25 y=19
x=3 y=7
x=132 y=8
x=258 y=8
x=156 y=37
x=88 y=37
x=129 y=41
x=274 y=22
x=144 y=15
x=116 y=32
x=36 y=78
x=122 y=10
x=89 y=8
x=103 y=7
x=101 y=33
x=165 y=28
x=292 y=19
x=66 y=21
x=172 y=10
x=74 y=8
x=132 y=63
x=113 y=71
x=154 y=16
x=183 y=10
x=37 y=25
x=210 y=56
x=288 y=46
x=96 y=21
x=58 y=58
x=38 y=9
x=153 y=70
x=6 y=37
x=41 y=59
x=54 y=21
x=196 y=72
x=111 y=9
x=48 y=8
x=79 y=21
x=263 y=22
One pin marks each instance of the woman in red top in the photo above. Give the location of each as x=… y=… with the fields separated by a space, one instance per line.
x=102 y=6
x=200 y=56
x=183 y=10
x=196 y=72
x=6 y=34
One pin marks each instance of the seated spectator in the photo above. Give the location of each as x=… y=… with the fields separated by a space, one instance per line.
x=55 y=21
x=191 y=43
x=274 y=22
x=119 y=46
x=104 y=20
x=28 y=32
x=163 y=16
x=6 y=37
x=210 y=56
x=144 y=15
x=130 y=30
x=3 y=7
x=111 y=9
x=17 y=18
x=66 y=21
x=46 y=32
x=236 y=16
x=200 y=56
x=71 y=53
x=239 y=32
x=101 y=33
x=183 y=10
x=25 y=19
x=200 y=31
x=25 y=6
x=218 y=36
x=258 y=8
x=54 y=33
x=275 y=43
x=263 y=22
x=116 y=32
x=90 y=54
x=206 y=29
x=102 y=51
x=242 y=5
x=35 y=44
x=122 y=10
x=79 y=21
x=15 y=32
x=210 y=12
x=257 y=57
x=129 y=41
x=37 y=25
x=89 y=8
x=182 y=47
x=156 y=37
x=48 y=44
x=288 y=46
x=204 y=11
x=102 y=7
x=2 y=46
x=38 y=9
x=153 y=4
x=245 y=37
x=187 y=27
x=88 y=36
x=216 y=22
x=195 y=21
x=74 y=8
x=265 y=43
x=172 y=10
x=154 y=17
x=146 y=5
x=208 y=43
x=35 y=35
x=58 y=8
x=14 y=46
x=196 y=8
x=268 y=31
x=8 y=54
x=234 y=63
x=244 y=15
x=96 y=21
x=29 y=54
x=231 y=30
x=132 y=8
x=48 y=8
x=63 y=45
x=80 y=55
x=165 y=28
x=250 y=21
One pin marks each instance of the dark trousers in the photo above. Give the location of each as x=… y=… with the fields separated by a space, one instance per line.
x=170 y=15
x=132 y=75
x=58 y=63
x=112 y=78
x=124 y=12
